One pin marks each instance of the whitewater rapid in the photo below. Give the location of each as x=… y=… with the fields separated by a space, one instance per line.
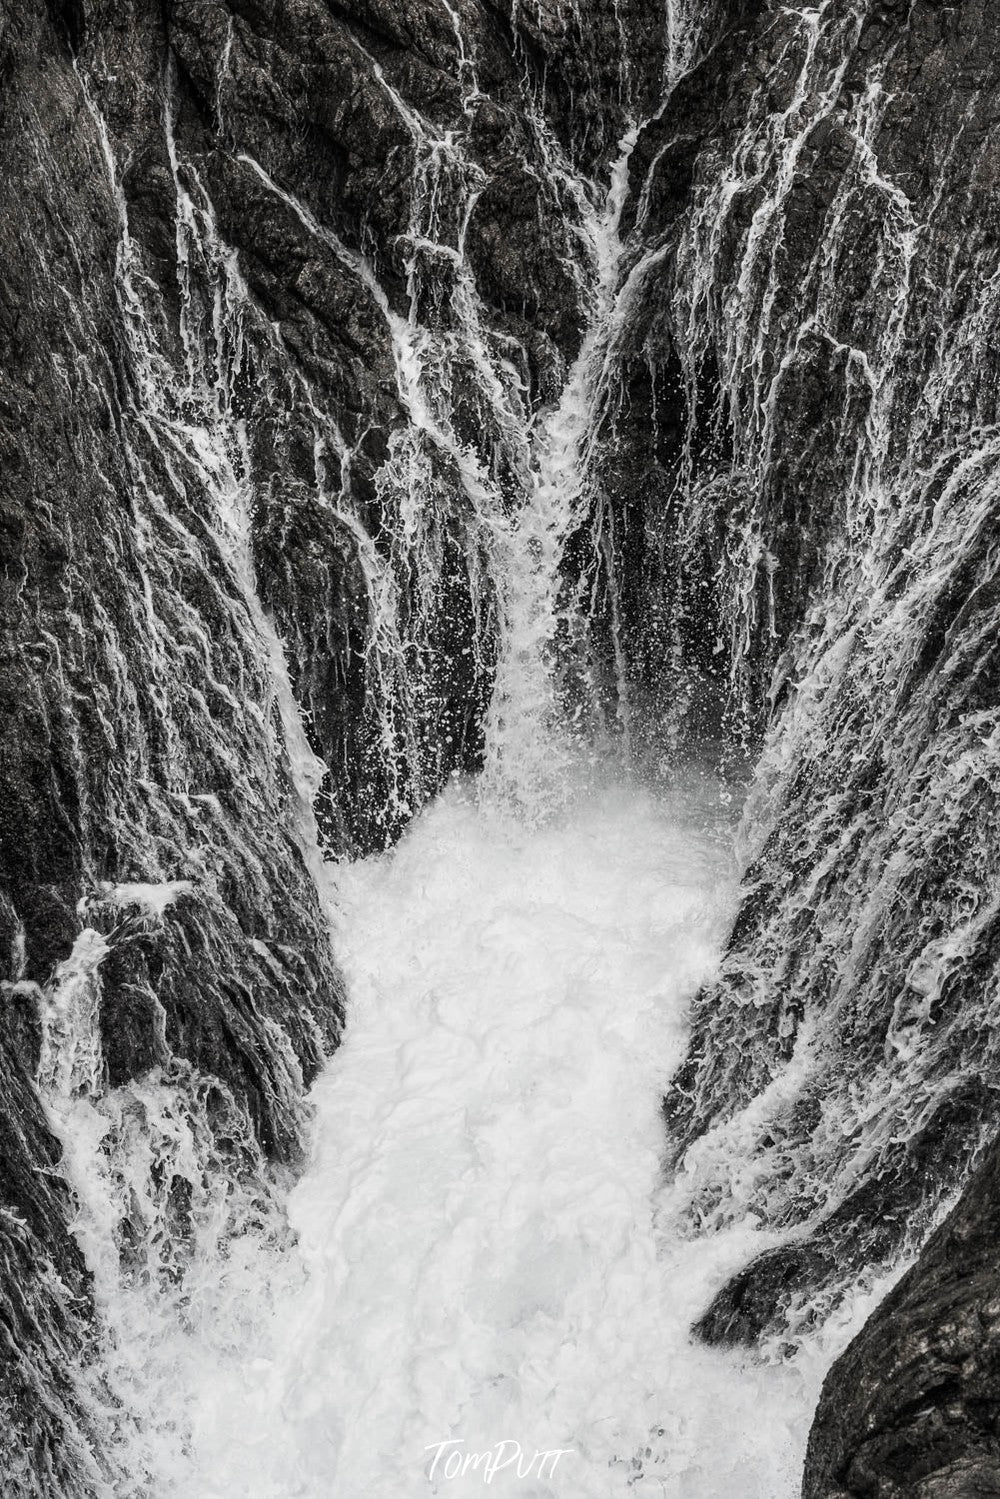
x=488 y=1274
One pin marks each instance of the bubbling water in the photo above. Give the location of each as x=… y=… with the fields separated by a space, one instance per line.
x=481 y=1251
x=485 y=1257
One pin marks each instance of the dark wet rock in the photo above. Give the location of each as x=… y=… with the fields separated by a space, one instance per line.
x=45 y=1430
x=910 y=1410
x=220 y=212
x=208 y=457
x=140 y=742
x=824 y=509
x=746 y=1303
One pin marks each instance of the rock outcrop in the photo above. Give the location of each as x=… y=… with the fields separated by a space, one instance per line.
x=824 y=298
x=911 y=1408
x=157 y=912
x=238 y=536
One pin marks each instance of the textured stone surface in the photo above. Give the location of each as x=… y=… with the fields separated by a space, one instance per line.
x=824 y=299
x=141 y=745
x=207 y=459
x=911 y=1409
x=213 y=215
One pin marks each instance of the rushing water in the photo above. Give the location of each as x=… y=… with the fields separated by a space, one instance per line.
x=481 y=1278
x=482 y=1263
x=485 y=1254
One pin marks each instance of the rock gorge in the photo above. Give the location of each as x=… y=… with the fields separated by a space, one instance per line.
x=287 y=287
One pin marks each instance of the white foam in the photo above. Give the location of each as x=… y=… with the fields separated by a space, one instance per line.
x=153 y=898
x=487 y=1253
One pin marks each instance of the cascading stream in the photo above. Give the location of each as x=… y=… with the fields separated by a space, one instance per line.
x=433 y=434
x=486 y=1280
x=528 y=751
x=489 y=1271
x=488 y=1284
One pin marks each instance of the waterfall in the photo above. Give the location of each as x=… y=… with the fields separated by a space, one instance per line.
x=178 y=1211
x=179 y=1215
x=841 y=420
x=528 y=748
x=486 y=1257
x=458 y=450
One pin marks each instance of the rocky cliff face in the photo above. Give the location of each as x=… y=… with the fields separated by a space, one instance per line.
x=285 y=288
x=911 y=1406
x=827 y=294
x=823 y=193
x=159 y=918
x=797 y=512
